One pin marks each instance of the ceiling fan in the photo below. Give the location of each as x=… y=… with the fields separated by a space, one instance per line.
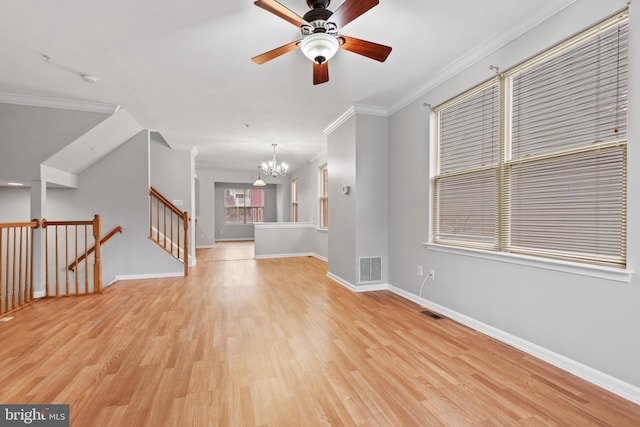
x=321 y=39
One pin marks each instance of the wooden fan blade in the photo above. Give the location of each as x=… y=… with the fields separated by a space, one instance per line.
x=372 y=50
x=320 y=73
x=350 y=10
x=279 y=10
x=268 y=56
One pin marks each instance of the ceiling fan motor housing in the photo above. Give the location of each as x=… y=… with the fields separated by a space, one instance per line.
x=318 y=4
x=317 y=15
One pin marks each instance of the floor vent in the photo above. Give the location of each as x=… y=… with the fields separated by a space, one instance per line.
x=371 y=269
x=431 y=314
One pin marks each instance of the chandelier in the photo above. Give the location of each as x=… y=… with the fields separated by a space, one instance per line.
x=273 y=168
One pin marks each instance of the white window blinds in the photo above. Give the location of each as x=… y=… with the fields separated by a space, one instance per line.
x=468 y=160
x=535 y=162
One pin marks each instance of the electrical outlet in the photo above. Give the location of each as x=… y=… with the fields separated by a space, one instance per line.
x=420 y=270
x=432 y=275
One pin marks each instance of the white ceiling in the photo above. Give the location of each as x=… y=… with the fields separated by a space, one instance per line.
x=183 y=68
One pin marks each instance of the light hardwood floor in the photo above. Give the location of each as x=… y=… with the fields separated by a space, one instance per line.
x=274 y=342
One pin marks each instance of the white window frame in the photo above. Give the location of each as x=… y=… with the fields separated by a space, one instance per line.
x=246 y=214
x=294 y=200
x=619 y=273
x=323 y=203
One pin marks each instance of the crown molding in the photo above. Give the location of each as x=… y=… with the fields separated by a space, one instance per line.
x=371 y=110
x=64 y=104
x=339 y=121
x=478 y=53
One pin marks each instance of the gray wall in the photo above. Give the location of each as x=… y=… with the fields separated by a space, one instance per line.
x=30 y=135
x=172 y=174
x=206 y=219
x=358 y=221
x=284 y=239
x=593 y=321
x=242 y=231
x=370 y=189
x=341 y=163
x=308 y=176
x=117 y=188
x=14 y=204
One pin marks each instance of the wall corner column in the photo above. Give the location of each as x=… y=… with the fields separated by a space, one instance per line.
x=37 y=211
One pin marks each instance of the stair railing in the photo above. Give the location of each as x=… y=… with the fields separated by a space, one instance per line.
x=169 y=227
x=104 y=240
x=66 y=241
x=16 y=264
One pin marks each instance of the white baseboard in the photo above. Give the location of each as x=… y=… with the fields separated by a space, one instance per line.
x=362 y=288
x=292 y=255
x=146 y=276
x=605 y=381
x=39 y=294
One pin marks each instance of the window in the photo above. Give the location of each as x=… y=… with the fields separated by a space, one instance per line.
x=243 y=206
x=324 y=197
x=294 y=200
x=534 y=161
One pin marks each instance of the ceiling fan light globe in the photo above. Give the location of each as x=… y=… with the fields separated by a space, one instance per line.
x=319 y=47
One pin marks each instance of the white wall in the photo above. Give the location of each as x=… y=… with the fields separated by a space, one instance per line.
x=590 y=320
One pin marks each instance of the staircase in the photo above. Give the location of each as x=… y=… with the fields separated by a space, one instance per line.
x=169 y=228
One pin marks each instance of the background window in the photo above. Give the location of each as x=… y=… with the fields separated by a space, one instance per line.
x=243 y=206
x=324 y=197
x=294 y=200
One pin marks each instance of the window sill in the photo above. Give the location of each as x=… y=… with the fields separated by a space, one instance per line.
x=609 y=273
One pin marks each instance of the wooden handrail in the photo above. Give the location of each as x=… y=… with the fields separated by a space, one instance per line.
x=165 y=201
x=108 y=236
x=33 y=224
x=46 y=223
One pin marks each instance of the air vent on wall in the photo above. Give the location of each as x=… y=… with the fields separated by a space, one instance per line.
x=370 y=269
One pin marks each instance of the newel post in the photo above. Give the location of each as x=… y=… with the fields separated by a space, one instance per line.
x=185 y=220
x=97 y=265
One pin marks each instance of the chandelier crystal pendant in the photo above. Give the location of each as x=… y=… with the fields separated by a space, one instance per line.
x=274 y=169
